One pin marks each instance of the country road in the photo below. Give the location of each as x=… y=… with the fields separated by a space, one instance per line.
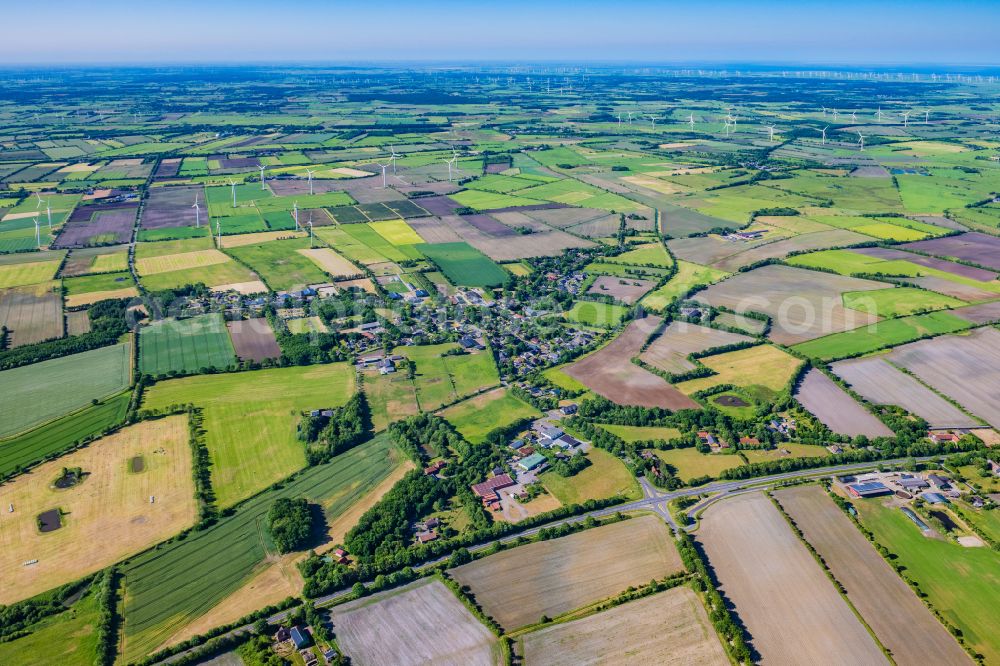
x=653 y=500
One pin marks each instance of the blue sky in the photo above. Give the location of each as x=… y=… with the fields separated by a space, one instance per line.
x=831 y=31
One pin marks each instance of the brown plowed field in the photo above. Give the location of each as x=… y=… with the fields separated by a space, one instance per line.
x=627 y=290
x=670 y=628
x=32 y=313
x=670 y=350
x=836 y=409
x=803 y=304
x=611 y=373
x=253 y=339
x=790 y=609
x=975 y=247
x=518 y=586
x=965 y=368
x=899 y=619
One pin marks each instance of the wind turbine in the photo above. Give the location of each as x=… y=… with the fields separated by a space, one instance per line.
x=878 y=114
x=732 y=119
x=392 y=159
x=629 y=117
x=295 y=214
x=384 y=167
x=197 y=213
x=835 y=114
x=906 y=118
x=218 y=230
x=38 y=234
x=38 y=205
x=232 y=185
x=310 y=172
x=927 y=115
x=48 y=211
x=310 y=229
x=726 y=122
x=454 y=156
x=262 y=167
x=691 y=120
x=824 y=112
x=823 y=132
x=854 y=116
x=770 y=132
x=652 y=119
x=619 y=120
x=861 y=141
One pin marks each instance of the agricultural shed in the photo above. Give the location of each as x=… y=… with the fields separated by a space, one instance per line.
x=870 y=489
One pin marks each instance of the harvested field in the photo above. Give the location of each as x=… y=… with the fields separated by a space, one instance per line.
x=879 y=381
x=803 y=304
x=670 y=350
x=758 y=560
x=975 y=247
x=77 y=323
x=331 y=262
x=171 y=206
x=253 y=339
x=106 y=517
x=611 y=373
x=246 y=288
x=32 y=314
x=260 y=237
x=667 y=628
x=965 y=368
x=837 y=410
x=392 y=628
x=178 y=262
x=763 y=370
x=965 y=292
x=98 y=225
x=902 y=623
x=517 y=587
x=80 y=300
x=626 y=290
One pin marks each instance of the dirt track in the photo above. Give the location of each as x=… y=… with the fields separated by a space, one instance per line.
x=791 y=610
x=902 y=623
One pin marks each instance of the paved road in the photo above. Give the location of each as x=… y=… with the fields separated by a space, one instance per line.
x=653 y=499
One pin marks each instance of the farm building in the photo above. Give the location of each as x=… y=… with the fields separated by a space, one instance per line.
x=567 y=442
x=299 y=637
x=913 y=483
x=934 y=498
x=487 y=490
x=547 y=433
x=942 y=437
x=869 y=489
x=938 y=481
x=534 y=461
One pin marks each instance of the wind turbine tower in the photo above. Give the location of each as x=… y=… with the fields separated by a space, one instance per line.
x=262 y=167
x=906 y=118
x=197 y=213
x=384 y=167
x=861 y=141
x=232 y=186
x=454 y=156
x=770 y=132
x=38 y=233
x=310 y=172
x=691 y=120
x=295 y=214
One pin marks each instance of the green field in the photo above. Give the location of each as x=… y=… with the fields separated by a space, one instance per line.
x=898 y=302
x=168 y=587
x=880 y=335
x=688 y=275
x=476 y=417
x=463 y=264
x=481 y=200
x=690 y=463
x=68 y=638
x=607 y=476
x=652 y=254
x=250 y=419
x=36 y=393
x=962 y=583
x=56 y=436
x=592 y=313
x=185 y=346
x=641 y=433
x=100 y=282
x=441 y=380
x=279 y=264
x=397 y=232
x=367 y=235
